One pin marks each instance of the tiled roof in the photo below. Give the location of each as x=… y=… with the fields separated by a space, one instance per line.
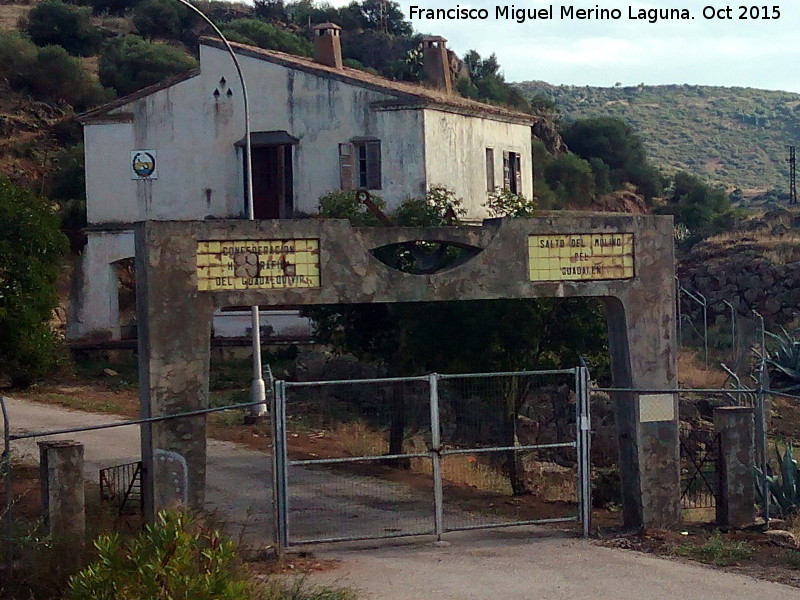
x=406 y=95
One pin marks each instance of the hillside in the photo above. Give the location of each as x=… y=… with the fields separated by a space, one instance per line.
x=737 y=137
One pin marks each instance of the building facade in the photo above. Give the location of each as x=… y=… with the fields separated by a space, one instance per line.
x=175 y=151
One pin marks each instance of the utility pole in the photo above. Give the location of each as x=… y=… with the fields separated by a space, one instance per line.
x=792 y=175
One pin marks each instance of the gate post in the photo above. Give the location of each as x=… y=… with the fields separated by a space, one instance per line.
x=736 y=499
x=584 y=425
x=279 y=467
x=436 y=457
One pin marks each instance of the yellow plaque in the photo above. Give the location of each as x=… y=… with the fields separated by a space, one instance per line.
x=580 y=256
x=257 y=264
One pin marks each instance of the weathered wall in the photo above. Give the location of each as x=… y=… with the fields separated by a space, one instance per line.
x=174 y=351
x=94 y=301
x=455 y=155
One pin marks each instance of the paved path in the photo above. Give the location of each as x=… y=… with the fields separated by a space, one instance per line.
x=520 y=564
x=531 y=565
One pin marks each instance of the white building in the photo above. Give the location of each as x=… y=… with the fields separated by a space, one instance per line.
x=317 y=126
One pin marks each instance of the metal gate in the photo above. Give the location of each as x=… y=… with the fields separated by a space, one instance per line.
x=380 y=458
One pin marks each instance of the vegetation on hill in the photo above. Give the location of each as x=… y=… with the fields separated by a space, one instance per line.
x=736 y=137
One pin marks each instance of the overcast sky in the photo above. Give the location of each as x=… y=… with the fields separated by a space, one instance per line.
x=730 y=52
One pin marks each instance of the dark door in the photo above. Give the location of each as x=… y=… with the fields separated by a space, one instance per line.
x=272 y=177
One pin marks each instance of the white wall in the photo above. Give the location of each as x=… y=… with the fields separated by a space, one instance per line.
x=323 y=112
x=456 y=155
x=94 y=303
x=180 y=123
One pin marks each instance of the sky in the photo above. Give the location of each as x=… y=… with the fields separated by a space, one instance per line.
x=760 y=53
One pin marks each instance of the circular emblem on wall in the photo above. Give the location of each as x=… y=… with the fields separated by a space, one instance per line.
x=143 y=164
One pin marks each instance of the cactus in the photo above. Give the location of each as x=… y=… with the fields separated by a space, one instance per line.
x=784 y=361
x=784 y=491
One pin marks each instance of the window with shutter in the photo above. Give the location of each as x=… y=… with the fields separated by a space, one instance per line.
x=346 y=167
x=506 y=170
x=512 y=172
x=368 y=164
x=490 y=169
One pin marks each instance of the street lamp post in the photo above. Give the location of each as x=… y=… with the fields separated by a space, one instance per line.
x=257 y=389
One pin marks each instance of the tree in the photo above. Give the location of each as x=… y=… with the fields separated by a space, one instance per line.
x=617 y=145
x=161 y=18
x=266 y=35
x=31 y=247
x=55 y=23
x=702 y=209
x=572 y=179
x=130 y=63
x=47 y=73
x=487 y=84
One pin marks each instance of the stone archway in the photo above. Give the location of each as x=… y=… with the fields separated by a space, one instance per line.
x=187 y=270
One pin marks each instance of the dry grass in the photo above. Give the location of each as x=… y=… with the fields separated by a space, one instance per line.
x=468 y=470
x=778 y=249
x=692 y=373
x=10 y=15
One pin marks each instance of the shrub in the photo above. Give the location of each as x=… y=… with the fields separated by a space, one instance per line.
x=55 y=23
x=130 y=63
x=31 y=246
x=110 y=7
x=161 y=18
x=177 y=558
x=48 y=73
x=430 y=210
x=338 y=204
x=505 y=203
x=265 y=35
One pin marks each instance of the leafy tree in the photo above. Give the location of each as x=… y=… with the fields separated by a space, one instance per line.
x=31 y=246
x=617 y=145
x=487 y=84
x=47 y=73
x=572 y=179
x=273 y=11
x=109 y=7
x=55 y=23
x=266 y=35
x=383 y=52
x=379 y=15
x=161 y=18
x=130 y=63
x=702 y=209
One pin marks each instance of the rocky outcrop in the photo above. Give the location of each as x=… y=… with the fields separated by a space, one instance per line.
x=757 y=267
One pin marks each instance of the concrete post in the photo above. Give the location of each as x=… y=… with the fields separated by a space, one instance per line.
x=736 y=500
x=63 y=501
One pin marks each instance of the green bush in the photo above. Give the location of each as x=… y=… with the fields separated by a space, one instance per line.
x=31 y=247
x=55 y=23
x=161 y=18
x=505 y=203
x=130 y=63
x=177 y=558
x=265 y=35
x=109 y=7
x=431 y=210
x=338 y=204
x=48 y=73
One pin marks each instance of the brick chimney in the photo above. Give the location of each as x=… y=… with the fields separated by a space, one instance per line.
x=437 y=63
x=328 y=45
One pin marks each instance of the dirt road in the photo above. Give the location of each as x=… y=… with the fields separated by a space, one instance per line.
x=520 y=564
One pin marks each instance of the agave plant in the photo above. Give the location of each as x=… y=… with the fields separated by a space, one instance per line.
x=784 y=491
x=784 y=360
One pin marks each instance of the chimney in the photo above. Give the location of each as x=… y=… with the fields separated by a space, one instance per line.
x=437 y=63
x=328 y=45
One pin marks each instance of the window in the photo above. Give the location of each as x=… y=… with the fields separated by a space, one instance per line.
x=512 y=172
x=360 y=164
x=490 y=169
